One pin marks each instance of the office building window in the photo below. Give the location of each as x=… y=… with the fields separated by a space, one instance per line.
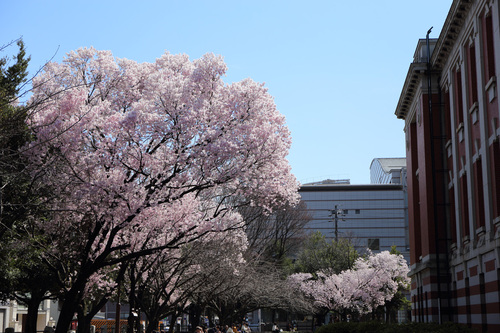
x=374 y=244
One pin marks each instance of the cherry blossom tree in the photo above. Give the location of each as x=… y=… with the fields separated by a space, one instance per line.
x=158 y=285
x=371 y=282
x=147 y=156
x=278 y=236
x=166 y=282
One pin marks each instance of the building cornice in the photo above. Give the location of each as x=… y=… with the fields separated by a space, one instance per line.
x=442 y=48
x=451 y=28
x=410 y=87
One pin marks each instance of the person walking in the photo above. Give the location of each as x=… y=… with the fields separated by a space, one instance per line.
x=245 y=328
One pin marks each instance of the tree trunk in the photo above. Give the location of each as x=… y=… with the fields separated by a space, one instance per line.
x=173 y=322
x=118 y=313
x=73 y=303
x=152 y=325
x=84 y=321
x=138 y=325
x=69 y=307
x=131 y=301
x=84 y=325
x=31 y=318
x=194 y=315
x=131 y=320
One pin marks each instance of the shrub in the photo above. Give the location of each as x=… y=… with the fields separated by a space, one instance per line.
x=378 y=327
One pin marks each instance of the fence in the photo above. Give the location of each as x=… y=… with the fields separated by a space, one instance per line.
x=108 y=326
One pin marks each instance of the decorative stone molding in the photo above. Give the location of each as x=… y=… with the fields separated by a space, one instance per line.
x=450 y=32
x=473 y=111
x=454 y=251
x=481 y=237
x=460 y=132
x=491 y=88
x=466 y=247
x=496 y=222
x=449 y=148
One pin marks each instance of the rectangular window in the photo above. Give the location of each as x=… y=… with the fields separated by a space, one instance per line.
x=495 y=177
x=453 y=227
x=489 y=50
x=358 y=211
x=478 y=189
x=464 y=209
x=459 y=112
x=374 y=244
x=472 y=79
x=447 y=116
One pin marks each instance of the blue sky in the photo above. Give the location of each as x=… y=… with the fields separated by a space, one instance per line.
x=335 y=68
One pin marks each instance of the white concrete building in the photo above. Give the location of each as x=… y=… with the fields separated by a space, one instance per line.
x=13 y=315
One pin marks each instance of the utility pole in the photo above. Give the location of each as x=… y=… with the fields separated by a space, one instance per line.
x=335 y=214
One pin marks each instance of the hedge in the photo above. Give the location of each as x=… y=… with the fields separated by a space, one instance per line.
x=378 y=327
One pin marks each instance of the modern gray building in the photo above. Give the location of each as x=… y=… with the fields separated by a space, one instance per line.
x=373 y=216
x=388 y=171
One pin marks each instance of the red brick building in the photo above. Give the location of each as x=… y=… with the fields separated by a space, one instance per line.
x=449 y=103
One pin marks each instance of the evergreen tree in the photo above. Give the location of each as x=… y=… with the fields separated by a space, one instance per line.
x=13 y=135
x=23 y=276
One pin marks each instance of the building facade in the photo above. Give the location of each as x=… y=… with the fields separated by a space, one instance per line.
x=13 y=315
x=449 y=103
x=373 y=216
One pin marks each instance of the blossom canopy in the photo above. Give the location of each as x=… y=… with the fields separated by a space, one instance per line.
x=140 y=157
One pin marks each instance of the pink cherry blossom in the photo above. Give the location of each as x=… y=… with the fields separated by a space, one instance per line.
x=145 y=156
x=370 y=283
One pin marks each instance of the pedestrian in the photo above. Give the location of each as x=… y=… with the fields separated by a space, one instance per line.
x=198 y=329
x=48 y=329
x=275 y=328
x=245 y=328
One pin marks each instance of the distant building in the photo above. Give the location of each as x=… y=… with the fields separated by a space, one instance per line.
x=374 y=216
x=449 y=103
x=13 y=315
x=388 y=171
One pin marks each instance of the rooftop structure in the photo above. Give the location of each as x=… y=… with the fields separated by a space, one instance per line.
x=388 y=170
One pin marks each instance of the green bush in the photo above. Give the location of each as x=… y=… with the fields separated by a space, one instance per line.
x=353 y=327
x=378 y=327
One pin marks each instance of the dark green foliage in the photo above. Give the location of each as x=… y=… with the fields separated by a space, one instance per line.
x=352 y=327
x=13 y=130
x=378 y=327
x=318 y=254
x=13 y=135
x=12 y=77
x=23 y=273
x=24 y=276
